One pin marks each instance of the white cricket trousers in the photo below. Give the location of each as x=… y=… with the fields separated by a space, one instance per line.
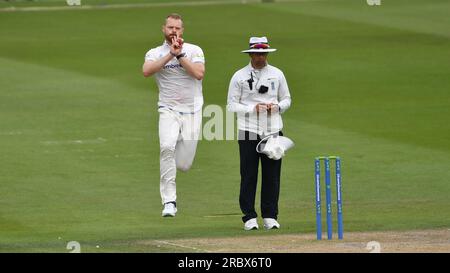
x=178 y=137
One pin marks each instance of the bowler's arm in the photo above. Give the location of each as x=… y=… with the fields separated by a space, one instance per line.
x=151 y=67
x=196 y=70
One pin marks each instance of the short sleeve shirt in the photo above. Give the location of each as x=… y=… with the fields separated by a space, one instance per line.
x=177 y=89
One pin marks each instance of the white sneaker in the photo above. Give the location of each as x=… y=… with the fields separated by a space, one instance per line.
x=270 y=223
x=169 y=210
x=251 y=224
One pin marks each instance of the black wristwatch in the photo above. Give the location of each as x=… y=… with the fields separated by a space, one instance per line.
x=181 y=55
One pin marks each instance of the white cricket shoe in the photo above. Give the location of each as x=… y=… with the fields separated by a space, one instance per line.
x=270 y=223
x=169 y=210
x=251 y=224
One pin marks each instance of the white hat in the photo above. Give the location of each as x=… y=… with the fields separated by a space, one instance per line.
x=258 y=44
x=274 y=147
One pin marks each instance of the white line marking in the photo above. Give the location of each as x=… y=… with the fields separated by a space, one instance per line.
x=11 y=133
x=221 y=216
x=124 y=6
x=76 y=142
x=178 y=245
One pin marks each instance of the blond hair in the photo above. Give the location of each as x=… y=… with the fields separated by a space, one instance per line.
x=175 y=16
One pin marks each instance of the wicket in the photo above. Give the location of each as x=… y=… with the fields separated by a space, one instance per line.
x=326 y=160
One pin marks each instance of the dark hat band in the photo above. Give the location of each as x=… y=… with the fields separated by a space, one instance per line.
x=260 y=46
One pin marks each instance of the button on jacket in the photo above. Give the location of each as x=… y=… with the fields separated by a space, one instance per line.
x=243 y=96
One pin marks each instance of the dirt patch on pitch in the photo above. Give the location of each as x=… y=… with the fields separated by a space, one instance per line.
x=387 y=241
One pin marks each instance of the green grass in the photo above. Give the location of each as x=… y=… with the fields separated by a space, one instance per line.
x=102 y=3
x=368 y=83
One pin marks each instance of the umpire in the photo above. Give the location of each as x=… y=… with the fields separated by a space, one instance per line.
x=258 y=93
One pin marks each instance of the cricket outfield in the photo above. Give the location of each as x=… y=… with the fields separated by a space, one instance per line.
x=78 y=124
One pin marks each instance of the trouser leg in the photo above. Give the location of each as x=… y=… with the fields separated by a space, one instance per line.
x=270 y=186
x=186 y=147
x=249 y=161
x=169 y=129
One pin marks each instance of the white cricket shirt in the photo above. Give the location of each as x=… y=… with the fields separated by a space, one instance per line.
x=177 y=89
x=243 y=97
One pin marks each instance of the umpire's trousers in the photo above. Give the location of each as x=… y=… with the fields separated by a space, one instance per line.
x=270 y=187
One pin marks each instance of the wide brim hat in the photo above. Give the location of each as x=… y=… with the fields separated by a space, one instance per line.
x=258 y=45
x=274 y=147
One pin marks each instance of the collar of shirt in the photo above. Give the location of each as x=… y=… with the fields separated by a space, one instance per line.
x=257 y=72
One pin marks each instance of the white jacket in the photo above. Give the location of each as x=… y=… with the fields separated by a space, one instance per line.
x=243 y=97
